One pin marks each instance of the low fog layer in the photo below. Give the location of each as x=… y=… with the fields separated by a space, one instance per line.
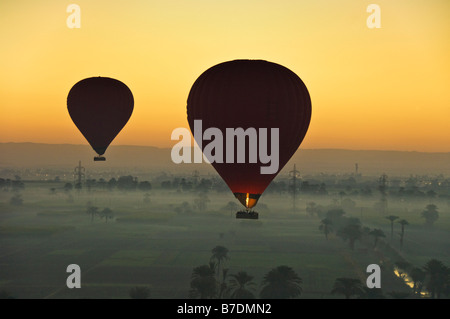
x=173 y=234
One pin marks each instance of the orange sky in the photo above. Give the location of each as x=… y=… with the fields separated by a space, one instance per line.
x=386 y=89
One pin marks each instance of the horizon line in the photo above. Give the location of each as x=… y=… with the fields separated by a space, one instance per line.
x=300 y=148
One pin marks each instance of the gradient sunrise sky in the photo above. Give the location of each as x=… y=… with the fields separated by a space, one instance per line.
x=383 y=89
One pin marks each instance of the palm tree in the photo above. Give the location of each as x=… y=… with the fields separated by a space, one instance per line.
x=392 y=219
x=203 y=283
x=376 y=233
x=325 y=227
x=241 y=286
x=430 y=214
x=438 y=276
x=347 y=287
x=402 y=222
x=106 y=213
x=92 y=210
x=351 y=232
x=223 y=284
x=220 y=255
x=281 y=283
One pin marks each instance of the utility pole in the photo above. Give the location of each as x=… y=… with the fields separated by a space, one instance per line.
x=78 y=175
x=295 y=174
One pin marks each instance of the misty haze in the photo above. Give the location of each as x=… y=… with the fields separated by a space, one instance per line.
x=140 y=226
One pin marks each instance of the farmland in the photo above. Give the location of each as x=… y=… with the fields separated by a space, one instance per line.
x=156 y=240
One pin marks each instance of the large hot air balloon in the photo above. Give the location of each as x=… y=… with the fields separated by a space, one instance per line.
x=100 y=107
x=250 y=94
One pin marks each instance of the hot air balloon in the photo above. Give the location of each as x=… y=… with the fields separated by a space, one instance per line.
x=250 y=94
x=100 y=107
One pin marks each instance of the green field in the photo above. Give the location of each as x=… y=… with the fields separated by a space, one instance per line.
x=153 y=245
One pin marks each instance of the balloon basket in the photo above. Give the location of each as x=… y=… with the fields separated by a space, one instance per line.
x=247 y=215
x=99 y=158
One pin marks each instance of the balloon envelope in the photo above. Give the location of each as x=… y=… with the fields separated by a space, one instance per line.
x=100 y=107
x=251 y=94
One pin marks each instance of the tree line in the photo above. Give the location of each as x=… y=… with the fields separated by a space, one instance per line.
x=350 y=228
x=214 y=281
x=127 y=183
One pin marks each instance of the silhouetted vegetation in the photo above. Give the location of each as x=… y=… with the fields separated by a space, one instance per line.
x=92 y=211
x=351 y=232
x=326 y=226
x=281 y=282
x=335 y=232
x=392 y=218
x=241 y=286
x=376 y=233
x=348 y=287
x=203 y=282
x=403 y=223
x=106 y=213
x=430 y=214
x=437 y=278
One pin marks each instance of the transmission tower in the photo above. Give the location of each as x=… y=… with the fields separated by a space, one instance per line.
x=382 y=187
x=78 y=175
x=294 y=175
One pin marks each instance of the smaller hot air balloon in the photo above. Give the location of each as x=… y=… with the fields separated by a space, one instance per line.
x=100 y=107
